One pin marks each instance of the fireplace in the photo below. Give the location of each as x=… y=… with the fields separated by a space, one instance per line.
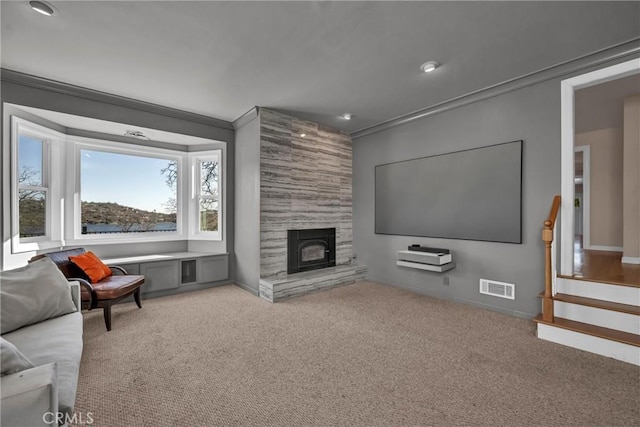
x=311 y=249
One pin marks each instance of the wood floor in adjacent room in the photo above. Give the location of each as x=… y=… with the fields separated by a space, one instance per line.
x=359 y=355
x=603 y=266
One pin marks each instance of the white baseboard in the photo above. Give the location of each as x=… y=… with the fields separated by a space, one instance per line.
x=604 y=248
x=630 y=260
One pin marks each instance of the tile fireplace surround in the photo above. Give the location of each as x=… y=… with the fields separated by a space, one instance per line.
x=305 y=183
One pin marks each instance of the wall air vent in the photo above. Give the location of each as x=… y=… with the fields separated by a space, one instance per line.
x=498 y=289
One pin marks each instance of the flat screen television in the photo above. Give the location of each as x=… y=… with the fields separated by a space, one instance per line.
x=469 y=195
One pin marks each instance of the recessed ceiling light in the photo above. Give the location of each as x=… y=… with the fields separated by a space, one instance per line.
x=303 y=135
x=347 y=116
x=428 y=67
x=42 y=7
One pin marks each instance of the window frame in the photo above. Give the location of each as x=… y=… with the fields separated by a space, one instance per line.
x=64 y=227
x=195 y=161
x=77 y=144
x=52 y=143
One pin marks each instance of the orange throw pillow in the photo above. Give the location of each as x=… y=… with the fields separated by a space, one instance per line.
x=92 y=266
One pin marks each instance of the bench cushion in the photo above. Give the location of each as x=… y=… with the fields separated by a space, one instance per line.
x=114 y=287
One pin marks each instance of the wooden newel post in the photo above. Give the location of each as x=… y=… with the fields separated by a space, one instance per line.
x=547 y=300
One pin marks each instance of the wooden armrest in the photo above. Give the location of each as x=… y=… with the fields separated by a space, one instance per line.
x=93 y=298
x=115 y=268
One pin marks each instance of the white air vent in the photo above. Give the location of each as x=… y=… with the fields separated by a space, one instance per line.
x=498 y=289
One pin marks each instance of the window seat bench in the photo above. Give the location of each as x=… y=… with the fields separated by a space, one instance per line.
x=168 y=273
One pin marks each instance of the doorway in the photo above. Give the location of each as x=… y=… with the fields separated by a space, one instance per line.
x=579 y=252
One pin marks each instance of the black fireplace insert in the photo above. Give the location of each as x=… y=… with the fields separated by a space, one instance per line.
x=311 y=249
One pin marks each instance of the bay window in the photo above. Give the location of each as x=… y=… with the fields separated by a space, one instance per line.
x=68 y=190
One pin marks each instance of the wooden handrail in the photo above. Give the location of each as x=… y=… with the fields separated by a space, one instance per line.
x=553 y=213
x=547 y=238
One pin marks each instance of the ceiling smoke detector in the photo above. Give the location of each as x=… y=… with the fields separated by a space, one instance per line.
x=42 y=7
x=136 y=134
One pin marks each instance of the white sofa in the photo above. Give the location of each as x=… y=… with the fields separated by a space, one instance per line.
x=35 y=396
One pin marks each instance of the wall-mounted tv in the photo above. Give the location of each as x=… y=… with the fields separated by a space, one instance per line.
x=469 y=195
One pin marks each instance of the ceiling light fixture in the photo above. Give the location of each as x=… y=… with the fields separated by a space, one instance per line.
x=347 y=116
x=303 y=135
x=428 y=67
x=136 y=134
x=42 y=7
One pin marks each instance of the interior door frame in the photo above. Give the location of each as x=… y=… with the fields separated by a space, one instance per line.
x=586 y=194
x=567 y=144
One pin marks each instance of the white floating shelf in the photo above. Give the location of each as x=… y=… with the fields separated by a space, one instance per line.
x=434 y=258
x=428 y=267
x=438 y=260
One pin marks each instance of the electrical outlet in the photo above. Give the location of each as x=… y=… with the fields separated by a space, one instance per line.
x=445 y=280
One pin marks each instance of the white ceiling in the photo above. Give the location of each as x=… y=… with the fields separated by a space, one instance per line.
x=314 y=59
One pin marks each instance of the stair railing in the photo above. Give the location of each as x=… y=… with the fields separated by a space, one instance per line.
x=547 y=238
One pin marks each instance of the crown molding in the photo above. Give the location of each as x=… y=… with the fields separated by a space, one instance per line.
x=29 y=80
x=246 y=117
x=614 y=53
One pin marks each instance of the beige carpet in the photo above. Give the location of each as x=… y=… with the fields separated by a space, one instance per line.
x=361 y=355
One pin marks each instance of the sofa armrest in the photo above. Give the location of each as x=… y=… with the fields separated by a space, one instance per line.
x=30 y=397
x=75 y=294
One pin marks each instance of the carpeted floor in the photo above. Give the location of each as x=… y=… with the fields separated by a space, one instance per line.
x=359 y=355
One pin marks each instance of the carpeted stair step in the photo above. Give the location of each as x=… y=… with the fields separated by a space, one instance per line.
x=596 y=331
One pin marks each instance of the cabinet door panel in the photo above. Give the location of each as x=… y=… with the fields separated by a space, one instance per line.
x=213 y=269
x=131 y=268
x=160 y=275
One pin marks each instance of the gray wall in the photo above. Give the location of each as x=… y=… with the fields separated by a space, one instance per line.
x=531 y=114
x=33 y=92
x=247 y=208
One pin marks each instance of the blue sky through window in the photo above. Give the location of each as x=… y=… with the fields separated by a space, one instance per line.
x=30 y=160
x=132 y=181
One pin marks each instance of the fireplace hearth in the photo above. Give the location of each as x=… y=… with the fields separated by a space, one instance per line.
x=310 y=249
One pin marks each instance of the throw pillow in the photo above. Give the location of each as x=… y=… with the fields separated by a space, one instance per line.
x=32 y=294
x=92 y=266
x=11 y=359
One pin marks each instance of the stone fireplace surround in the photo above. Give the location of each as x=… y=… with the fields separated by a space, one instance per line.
x=305 y=183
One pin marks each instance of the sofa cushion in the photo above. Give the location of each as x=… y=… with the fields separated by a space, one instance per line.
x=11 y=359
x=33 y=293
x=57 y=340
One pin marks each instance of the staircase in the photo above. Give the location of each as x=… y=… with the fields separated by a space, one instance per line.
x=594 y=316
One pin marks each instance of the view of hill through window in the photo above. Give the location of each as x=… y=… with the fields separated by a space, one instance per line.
x=119 y=193
x=124 y=193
